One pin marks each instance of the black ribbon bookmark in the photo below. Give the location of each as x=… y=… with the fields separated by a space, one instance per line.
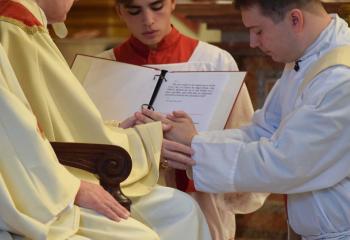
x=161 y=78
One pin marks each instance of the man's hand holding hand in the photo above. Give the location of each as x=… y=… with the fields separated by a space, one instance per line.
x=182 y=128
x=147 y=116
x=177 y=155
x=178 y=133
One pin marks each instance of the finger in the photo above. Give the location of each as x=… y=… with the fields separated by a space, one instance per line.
x=178 y=118
x=171 y=117
x=178 y=157
x=181 y=114
x=140 y=117
x=178 y=147
x=105 y=210
x=129 y=122
x=139 y=122
x=166 y=127
x=119 y=210
x=153 y=115
x=113 y=210
x=116 y=207
x=177 y=165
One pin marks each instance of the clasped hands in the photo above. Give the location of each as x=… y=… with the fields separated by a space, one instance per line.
x=178 y=130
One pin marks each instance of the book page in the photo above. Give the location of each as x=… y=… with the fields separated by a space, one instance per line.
x=206 y=96
x=117 y=89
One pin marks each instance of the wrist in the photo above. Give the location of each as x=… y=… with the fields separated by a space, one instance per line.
x=189 y=143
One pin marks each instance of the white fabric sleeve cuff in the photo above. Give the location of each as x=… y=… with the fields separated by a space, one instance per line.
x=216 y=161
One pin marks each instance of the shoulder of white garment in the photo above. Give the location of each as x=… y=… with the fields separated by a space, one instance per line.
x=220 y=59
x=334 y=80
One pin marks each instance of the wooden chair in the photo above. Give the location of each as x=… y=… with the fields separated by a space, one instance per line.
x=112 y=164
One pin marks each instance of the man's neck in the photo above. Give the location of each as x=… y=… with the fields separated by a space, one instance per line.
x=314 y=26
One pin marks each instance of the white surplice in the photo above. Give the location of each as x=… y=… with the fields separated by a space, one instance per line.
x=297 y=145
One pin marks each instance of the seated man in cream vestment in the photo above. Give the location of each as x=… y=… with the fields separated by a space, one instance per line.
x=35 y=202
x=36 y=192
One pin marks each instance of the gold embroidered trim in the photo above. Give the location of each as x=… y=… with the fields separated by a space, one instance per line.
x=27 y=29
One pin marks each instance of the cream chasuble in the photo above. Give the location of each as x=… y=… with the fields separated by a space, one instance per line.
x=36 y=192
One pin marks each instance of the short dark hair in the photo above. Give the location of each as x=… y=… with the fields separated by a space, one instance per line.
x=275 y=9
x=123 y=2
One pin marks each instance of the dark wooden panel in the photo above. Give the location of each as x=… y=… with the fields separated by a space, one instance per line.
x=99 y=15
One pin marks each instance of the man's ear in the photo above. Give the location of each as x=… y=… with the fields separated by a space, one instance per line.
x=296 y=19
x=173 y=5
x=117 y=10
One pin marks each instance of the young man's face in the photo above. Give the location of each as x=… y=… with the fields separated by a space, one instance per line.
x=55 y=10
x=148 y=20
x=274 y=39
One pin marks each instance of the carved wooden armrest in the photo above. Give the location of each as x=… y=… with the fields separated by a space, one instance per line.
x=111 y=163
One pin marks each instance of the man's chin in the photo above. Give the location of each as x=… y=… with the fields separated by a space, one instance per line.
x=277 y=59
x=269 y=54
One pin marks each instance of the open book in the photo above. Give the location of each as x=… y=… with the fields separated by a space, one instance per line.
x=119 y=89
